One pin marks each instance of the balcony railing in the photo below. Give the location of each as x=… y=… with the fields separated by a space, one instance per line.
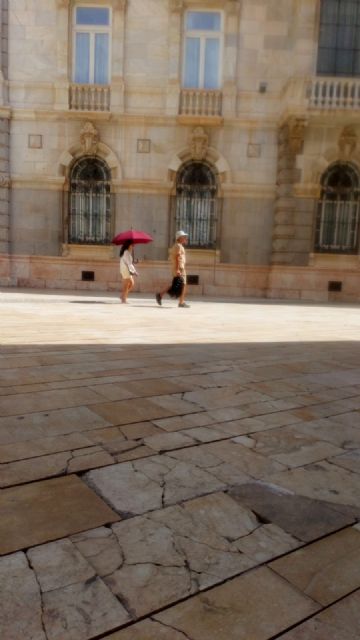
x=200 y=102
x=334 y=93
x=89 y=97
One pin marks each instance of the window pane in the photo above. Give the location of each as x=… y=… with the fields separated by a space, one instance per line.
x=344 y=62
x=192 y=62
x=82 y=58
x=357 y=63
x=329 y=11
x=346 y=37
x=204 y=21
x=347 y=12
x=327 y=37
x=211 y=72
x=101 y=58
x=326 y=61
x=92 y=15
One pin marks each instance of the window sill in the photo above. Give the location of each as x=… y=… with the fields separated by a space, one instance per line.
x=334 y=260
x=85 y=251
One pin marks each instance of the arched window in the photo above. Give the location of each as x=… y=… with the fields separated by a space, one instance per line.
x=337 y=225
x=90 y=204
x=196 y=204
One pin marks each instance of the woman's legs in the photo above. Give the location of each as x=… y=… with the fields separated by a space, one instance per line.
x=127 y=285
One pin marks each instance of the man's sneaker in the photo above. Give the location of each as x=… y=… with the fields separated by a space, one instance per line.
x=184 y=305
x=158 y=299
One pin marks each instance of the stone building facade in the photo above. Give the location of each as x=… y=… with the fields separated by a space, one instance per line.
x=235 y=119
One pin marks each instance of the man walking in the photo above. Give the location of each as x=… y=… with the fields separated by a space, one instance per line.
x=178 y=267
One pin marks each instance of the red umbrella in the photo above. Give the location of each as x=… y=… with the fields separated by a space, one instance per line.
x=137 y=237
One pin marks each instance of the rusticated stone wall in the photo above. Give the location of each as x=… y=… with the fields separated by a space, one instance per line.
x=292 y=231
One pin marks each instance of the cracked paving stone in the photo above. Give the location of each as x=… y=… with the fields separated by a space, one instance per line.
x=20 y=602
x=101 y=549
x=148 y=484
x=179 y=550
x=58 y=564
x=267 y=542
x=232 y=453
x=82 y=611
x=77 y=604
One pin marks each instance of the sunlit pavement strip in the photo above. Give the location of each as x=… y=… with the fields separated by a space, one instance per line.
x=173 y=473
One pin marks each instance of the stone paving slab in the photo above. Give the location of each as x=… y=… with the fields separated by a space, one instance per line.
x=232 y=610
x=339 y=622
x=169 y=427
x=47 y=510
x=322 y=481
x=325 y=570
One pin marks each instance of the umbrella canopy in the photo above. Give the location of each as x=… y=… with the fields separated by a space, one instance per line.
x=137 y=237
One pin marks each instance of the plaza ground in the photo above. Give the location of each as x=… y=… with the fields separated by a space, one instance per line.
x=178 y=474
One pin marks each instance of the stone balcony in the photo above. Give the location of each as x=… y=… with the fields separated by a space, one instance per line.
x=89 y=97
x=321 y=94
x=200 y=103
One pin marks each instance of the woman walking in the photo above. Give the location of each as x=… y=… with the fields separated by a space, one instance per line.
x=127 y=269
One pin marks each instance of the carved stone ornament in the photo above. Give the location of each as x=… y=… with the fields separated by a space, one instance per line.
x=199 y=144
x=89 y=138
x=296 y=134
x=348 y=141
x=4 y=181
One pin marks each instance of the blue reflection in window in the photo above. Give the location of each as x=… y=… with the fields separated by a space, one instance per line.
x=206 y=21
x=82 y=58
x=92 y=16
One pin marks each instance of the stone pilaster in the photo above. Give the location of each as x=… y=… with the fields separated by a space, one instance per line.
x=231 y=47
x=291 y=242
x=3 y=50
x=176 y=11
x=4 y=133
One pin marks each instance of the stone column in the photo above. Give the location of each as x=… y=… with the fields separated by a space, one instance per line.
x=290 y=246
x=4 y=132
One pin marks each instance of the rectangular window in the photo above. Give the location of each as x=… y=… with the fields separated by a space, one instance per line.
x=202 y=50
x=92 y=45
x=339 y=38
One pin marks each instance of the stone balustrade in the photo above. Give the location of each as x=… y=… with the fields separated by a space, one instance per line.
x=325 y=93
x=89 y=97
x=200 y=102
x=334 y=93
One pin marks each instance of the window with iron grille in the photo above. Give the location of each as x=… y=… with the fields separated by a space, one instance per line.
x=90 y=202
x=337 y=224
x=195 y=207
x=339 y=38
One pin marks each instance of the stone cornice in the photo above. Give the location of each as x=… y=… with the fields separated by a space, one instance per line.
x=116 y=4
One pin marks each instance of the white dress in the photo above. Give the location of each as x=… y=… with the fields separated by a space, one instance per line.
x=127 y=268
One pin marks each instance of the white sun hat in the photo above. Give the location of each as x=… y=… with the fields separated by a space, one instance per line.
x=181 y=234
